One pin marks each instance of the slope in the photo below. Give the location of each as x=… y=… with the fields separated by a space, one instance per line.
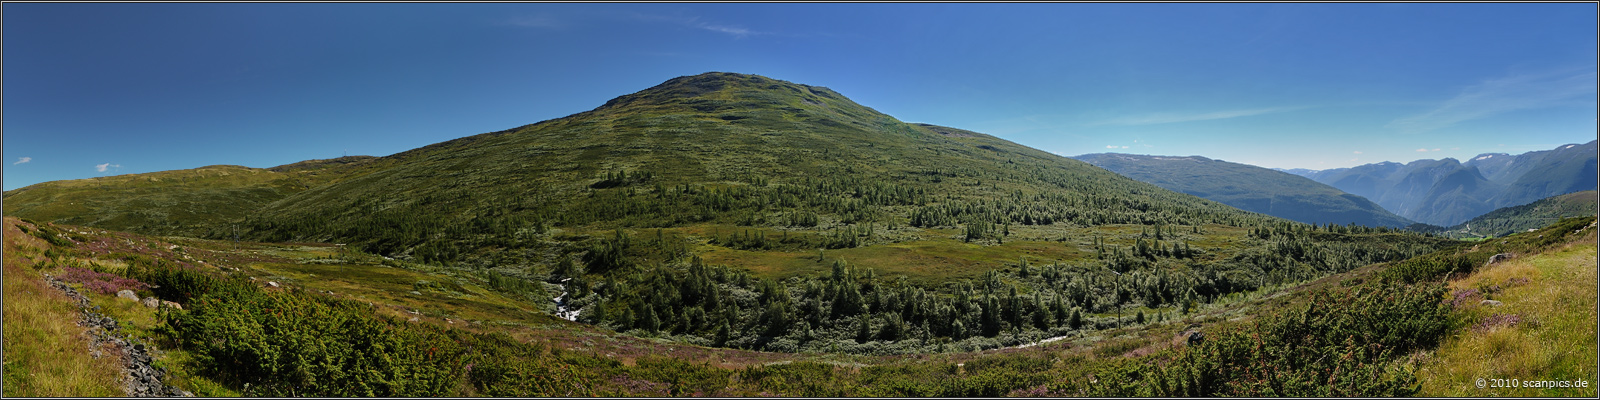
x=1536 y=175
x=1249 y=188
x=183 y=202
x=716 y=148
x=1533 y=215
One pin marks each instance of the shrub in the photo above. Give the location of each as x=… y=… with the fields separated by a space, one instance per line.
x=101 y=282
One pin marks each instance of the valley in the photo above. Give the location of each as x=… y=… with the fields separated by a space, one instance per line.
x=734 y=235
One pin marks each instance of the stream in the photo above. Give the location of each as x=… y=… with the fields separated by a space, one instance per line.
x=561 y=304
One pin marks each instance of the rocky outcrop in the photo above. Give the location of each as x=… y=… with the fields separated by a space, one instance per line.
x=139 y=378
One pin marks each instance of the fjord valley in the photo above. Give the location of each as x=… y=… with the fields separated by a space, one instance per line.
x=1250 y=188
x=1448 y=192
x=740 y=217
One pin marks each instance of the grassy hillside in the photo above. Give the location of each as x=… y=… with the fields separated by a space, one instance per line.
x=1250 y=188
x=715 y=149
x=192 y=202
x=1543 y=328
x=347 y=311
x=46 y=352
x=737 y=211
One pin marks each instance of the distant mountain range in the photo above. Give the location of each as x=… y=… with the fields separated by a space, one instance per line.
x=1448 y=192
x=1249 y=188
x=1530 y=216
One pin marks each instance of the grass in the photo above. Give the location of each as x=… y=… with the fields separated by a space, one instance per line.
x=46 y=352
x=1553 y=294
x=459 y=296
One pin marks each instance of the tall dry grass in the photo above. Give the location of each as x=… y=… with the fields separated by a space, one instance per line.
x=1543 y=330
x=46 y=352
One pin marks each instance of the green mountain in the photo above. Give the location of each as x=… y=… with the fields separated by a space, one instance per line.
x=1533 y=215
x=184 y=202
x=1249 y=188
x=730 y=210
x=716 y=148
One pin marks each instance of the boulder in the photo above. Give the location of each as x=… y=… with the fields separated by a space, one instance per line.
x=127 y=294
x=272 y=284
x=151 y=302
x=1493 y=303
x=1497 y=258
x=172 y=304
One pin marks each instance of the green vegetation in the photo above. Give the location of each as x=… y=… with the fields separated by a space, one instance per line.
x=1543 y=329
x=732 y=235
x=193 y=202
x=233 y=332
x=45 y=350
x=1534 y=215
x=1250 y=188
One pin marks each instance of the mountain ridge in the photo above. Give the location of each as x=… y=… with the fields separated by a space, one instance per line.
x=1249 y=188
x=1447 y=192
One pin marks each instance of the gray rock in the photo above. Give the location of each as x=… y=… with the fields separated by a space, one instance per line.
x=172 y=304
x=151 y=302
x=1492 y=303
x=127 y=294
x=272 y=284
x=1497 y=258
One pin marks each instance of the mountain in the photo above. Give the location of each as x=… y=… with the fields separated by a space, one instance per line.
x=1492 y=165
x=733 y=210
x=1447 y=192
x=1534 y=215
x=716 y=149
x=1249 y=188
x=1539 y=174
x=184 y=202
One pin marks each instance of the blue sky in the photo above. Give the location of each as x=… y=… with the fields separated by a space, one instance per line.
x=103 y=89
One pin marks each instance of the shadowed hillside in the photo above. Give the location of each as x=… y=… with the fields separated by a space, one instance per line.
x=1250 y=188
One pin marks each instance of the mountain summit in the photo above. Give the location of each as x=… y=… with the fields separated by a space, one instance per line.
x=717 y=149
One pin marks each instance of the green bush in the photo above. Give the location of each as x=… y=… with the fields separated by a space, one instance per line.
x=1339 y=343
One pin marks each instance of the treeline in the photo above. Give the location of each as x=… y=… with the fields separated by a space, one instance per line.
x=1340 y=342
x=453 y=221
x=630 y=287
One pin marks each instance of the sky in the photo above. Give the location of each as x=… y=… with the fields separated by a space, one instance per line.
x=98 y=89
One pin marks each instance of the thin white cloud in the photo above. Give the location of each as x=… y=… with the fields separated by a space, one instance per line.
x=1357 y=152
x=1498 y=96
x=695 y=22
x=23 y=160
x=536 y=21
x=1435 y=149
x=1124 y=147
x=1422 y=150
x=103 y=167
x=1167 y=118
x=1111 y=146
